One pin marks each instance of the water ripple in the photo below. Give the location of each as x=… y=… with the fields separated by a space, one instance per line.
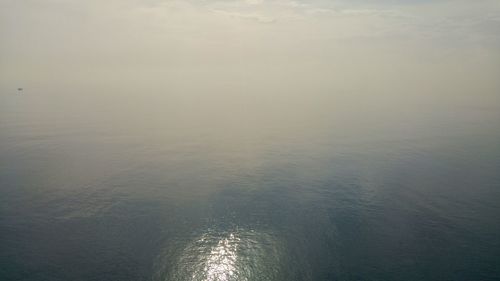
x=237 y=254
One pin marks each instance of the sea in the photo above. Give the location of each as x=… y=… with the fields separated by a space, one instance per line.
x=151 y=188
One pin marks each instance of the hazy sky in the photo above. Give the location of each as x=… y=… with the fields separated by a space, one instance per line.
x=75 y=36
x=350 y=52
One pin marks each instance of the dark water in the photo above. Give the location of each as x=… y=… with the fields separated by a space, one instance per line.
x=86 y=195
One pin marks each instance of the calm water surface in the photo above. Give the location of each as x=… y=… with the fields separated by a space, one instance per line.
x=90 y=195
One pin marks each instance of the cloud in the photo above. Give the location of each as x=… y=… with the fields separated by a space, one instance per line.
x=249 y=16
x=254 y=2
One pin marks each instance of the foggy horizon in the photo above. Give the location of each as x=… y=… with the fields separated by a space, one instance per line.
x=249 y=140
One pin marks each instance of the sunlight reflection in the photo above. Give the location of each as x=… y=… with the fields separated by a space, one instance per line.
x=221 y=262
x=236 y=255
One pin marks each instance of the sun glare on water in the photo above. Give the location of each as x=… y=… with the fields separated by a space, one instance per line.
x=221 y=262
x=237 y=255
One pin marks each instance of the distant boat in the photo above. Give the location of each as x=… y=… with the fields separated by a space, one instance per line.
x=19 y=89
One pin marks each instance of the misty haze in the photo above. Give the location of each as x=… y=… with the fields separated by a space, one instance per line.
x=266 y=140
